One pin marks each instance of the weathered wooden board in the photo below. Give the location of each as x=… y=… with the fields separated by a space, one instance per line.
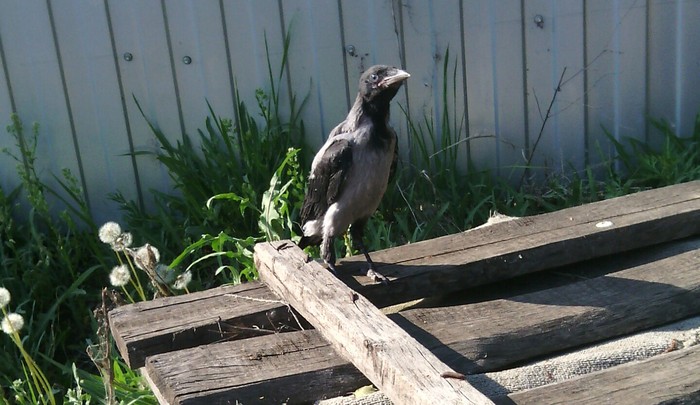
x=664 y=379
x=173 y=323
x=654 y=286
x=648 y=288
x=490 y=335
x=530 y=244
x=281 y=368
x=394 y=361
x=439 y=266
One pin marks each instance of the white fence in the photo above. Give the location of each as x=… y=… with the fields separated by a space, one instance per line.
x=73 y=65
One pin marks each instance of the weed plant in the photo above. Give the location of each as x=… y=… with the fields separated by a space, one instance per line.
x=676 y=161
x=230 y=185
x=49 y=257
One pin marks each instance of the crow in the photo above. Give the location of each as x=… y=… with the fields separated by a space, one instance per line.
x=350 y=172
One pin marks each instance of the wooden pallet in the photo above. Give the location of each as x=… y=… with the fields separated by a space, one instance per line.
x=517 y=290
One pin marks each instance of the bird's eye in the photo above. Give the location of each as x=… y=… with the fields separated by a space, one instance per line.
x=374 y=77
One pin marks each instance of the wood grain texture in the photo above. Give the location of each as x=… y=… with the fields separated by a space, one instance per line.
x=280 y=368
x=664 y=379
x=645 y=288
x=395 y=362
x=173 y=323
x=529 y=244
x=651 y=287
x=491 y=335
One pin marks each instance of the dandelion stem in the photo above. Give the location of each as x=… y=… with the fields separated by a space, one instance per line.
x=131 y=299
x=39 y=380
x=137 y=283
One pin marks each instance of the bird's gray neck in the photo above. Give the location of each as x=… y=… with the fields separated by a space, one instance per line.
x=377 y=112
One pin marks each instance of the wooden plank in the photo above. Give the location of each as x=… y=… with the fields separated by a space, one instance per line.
x=491 y=335
x=173 y=323
x=398 y=365
x=488 y=335
x=667 y=378
x=280 y=368
x=529 y=244
x=493 y=252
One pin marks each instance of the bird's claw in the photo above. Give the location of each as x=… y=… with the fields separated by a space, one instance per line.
x=332 y=269
x=377 y=277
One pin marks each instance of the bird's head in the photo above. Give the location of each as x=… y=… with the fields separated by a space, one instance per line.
x=381 y=82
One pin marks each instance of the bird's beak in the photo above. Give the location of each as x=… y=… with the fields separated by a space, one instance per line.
x=397 y=76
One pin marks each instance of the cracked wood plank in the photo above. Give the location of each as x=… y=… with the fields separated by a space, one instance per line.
x=529 y=244
x=438 y=266
x=281 y=368
x=394 y=361
x=491 y=335
x=664 y=379
x=172 y=323
x=651 y=287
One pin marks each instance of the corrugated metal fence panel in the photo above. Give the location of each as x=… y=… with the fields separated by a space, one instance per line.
x=615 y=77
x=674 y=63
x=199 y=56
x=90 y=77
x=33 y=67
x=7 y=166
x=146 y=72
x=494 y=67
x=552 y=45
x=75 y=67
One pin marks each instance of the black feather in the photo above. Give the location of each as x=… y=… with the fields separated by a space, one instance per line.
x=326 y=182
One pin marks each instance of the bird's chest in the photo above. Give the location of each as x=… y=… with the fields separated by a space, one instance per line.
x=369 y=176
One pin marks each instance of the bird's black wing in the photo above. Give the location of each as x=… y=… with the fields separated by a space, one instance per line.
x=394 y=162
x=326 y=181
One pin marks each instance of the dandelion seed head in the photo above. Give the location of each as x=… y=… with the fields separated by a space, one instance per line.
x=119 y=276
x=165 y=274
x=146 y=257
x=109 y=232
x=182 y=280
x=4 y=297
x=12 y=323
x=123 y=241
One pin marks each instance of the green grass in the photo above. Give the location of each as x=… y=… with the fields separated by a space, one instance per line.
x=49 y=261
x=252 y=190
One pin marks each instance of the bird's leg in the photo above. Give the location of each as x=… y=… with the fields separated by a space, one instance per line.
x=328 y=254
x=356 y=231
